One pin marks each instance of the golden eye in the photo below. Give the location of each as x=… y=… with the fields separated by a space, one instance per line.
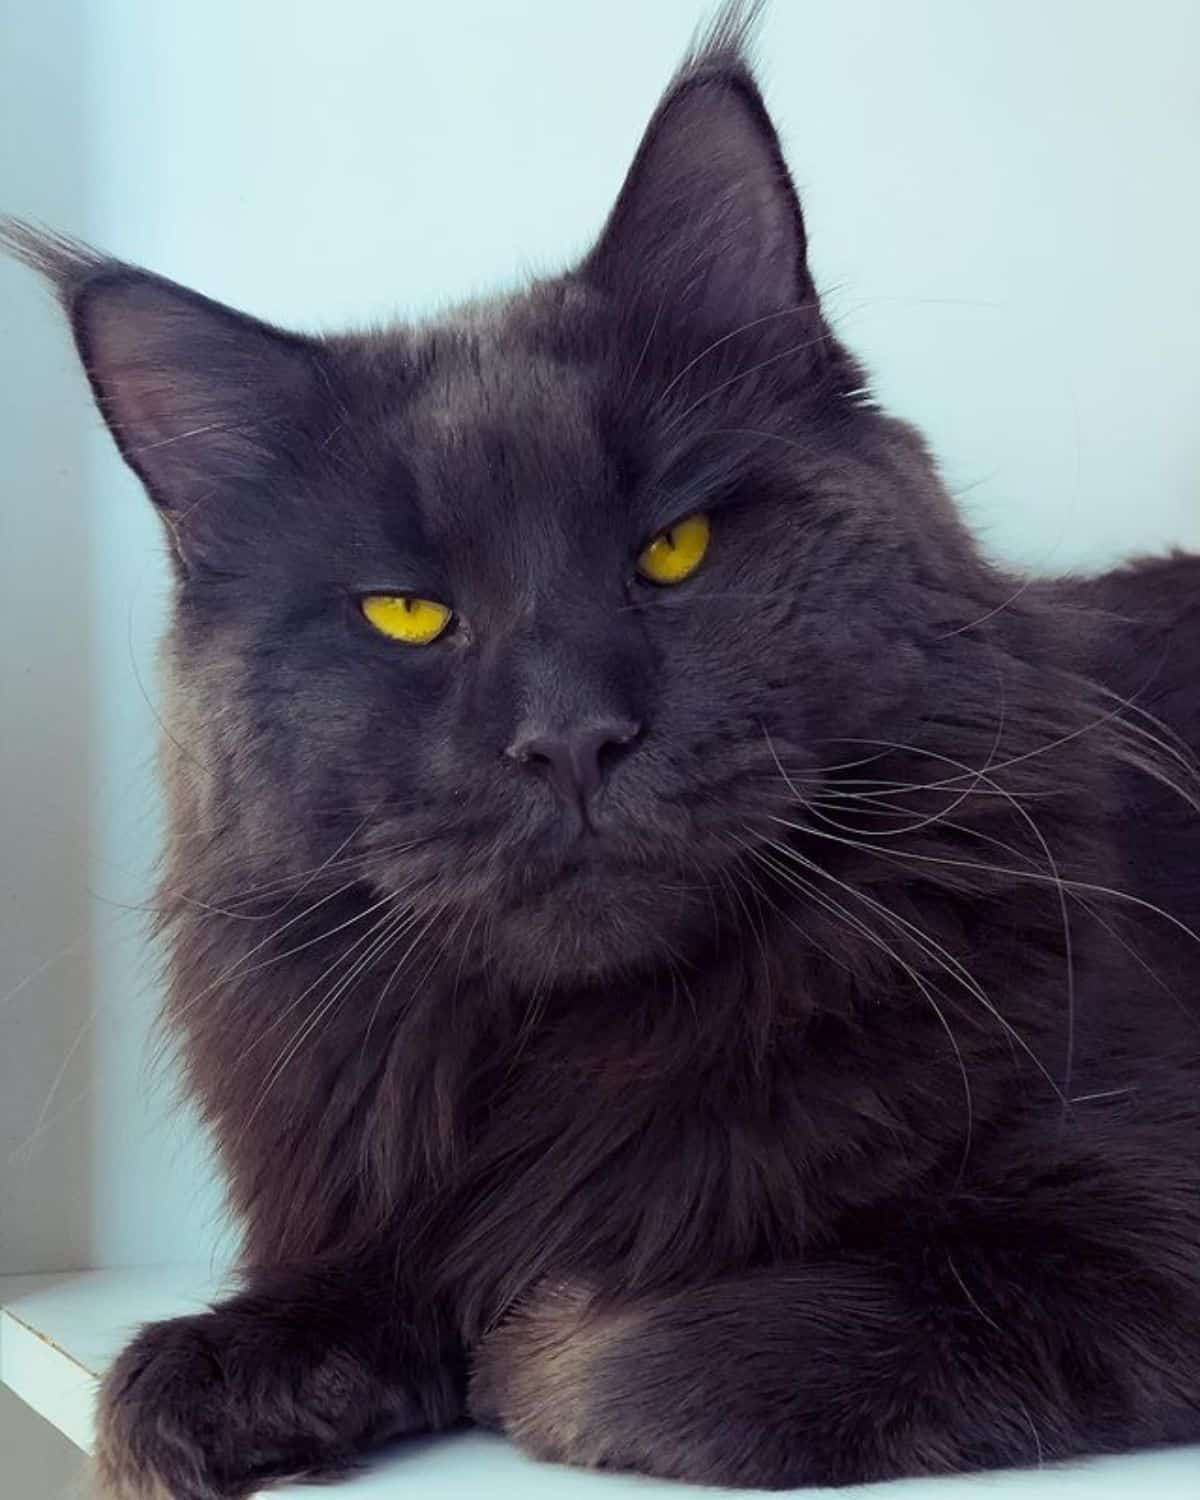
x=400 y=617
x=676 y=553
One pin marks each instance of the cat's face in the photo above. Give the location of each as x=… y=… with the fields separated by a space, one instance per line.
x=559 y=752
x=505 y=484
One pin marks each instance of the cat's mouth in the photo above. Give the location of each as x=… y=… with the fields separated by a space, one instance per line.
x=589 y=912
x=569 y=904
x=591 y=863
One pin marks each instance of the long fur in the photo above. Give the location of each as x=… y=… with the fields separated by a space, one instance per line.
x=829 y=1109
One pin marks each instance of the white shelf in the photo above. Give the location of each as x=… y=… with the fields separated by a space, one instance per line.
x=58 y=1333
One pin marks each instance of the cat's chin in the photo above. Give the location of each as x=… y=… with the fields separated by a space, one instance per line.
x=573 y=951
x=586 y=930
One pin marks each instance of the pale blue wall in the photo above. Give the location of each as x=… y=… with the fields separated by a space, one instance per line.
x=1001 y=198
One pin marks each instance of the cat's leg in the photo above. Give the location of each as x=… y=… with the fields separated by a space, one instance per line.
x=299 y=1373
x=1020 y=1343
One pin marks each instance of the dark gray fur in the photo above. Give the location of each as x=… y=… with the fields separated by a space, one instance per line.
x=817 y=1100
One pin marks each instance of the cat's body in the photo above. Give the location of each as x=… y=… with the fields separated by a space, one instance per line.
x=743 y=1031
x=618 y=1150
x=1148 y=654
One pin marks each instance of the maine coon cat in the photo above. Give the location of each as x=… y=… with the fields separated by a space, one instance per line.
x=685 y=961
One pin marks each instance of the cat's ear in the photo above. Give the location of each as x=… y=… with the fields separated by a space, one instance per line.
x=707 y=224
x=196 y=394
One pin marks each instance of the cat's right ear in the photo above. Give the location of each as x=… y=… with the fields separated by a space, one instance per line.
x=199 y=398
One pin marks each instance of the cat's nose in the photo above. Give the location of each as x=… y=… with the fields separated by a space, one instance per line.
x=575 y=759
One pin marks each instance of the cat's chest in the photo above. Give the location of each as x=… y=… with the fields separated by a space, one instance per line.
x=647 y=1179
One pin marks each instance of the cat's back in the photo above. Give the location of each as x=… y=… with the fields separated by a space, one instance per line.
x=1148 y=639
x=1146 y=652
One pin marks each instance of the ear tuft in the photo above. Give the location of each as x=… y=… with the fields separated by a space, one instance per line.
x=66 y=263
x=707 y=227
x=726 y=43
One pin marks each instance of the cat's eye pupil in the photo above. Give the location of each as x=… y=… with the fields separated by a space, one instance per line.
x=675 y=552
x=408 y=618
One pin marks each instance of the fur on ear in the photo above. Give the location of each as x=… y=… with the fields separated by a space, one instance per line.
x=707 y=223
x=196 y=394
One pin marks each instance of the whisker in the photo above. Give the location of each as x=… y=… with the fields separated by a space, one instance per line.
x=23 y=1149
x=1150 y=973
x=994 y=870
x=236 y=968
x=782 y=312
x=412 y=947
x=939 y=954
x=679 y=418
x=998 y=609
x=982 y=776
x=390 y=899
x=384 y=933
x=785 y=916
x=838 y=909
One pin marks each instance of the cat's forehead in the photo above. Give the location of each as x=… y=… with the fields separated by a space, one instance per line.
x=500 y=433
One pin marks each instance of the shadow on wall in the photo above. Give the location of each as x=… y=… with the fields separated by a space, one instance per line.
x=46 y=660
x=39 y=1463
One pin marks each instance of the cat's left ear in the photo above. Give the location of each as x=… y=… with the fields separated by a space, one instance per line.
x=707 y=224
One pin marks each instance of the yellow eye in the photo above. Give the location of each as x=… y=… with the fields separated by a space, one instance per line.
x=400 y=617
x=676 y=553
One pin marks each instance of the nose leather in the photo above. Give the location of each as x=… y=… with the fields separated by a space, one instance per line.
x=575 y=759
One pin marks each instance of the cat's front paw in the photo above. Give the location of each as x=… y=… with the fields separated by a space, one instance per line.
x=208 y=1408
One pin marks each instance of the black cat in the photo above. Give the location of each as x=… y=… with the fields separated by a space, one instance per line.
x=685 y=962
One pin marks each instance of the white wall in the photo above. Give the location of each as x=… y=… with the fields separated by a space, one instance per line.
x=1001 y=198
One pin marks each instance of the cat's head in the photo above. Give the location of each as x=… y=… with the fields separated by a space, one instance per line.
x=524 y=614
